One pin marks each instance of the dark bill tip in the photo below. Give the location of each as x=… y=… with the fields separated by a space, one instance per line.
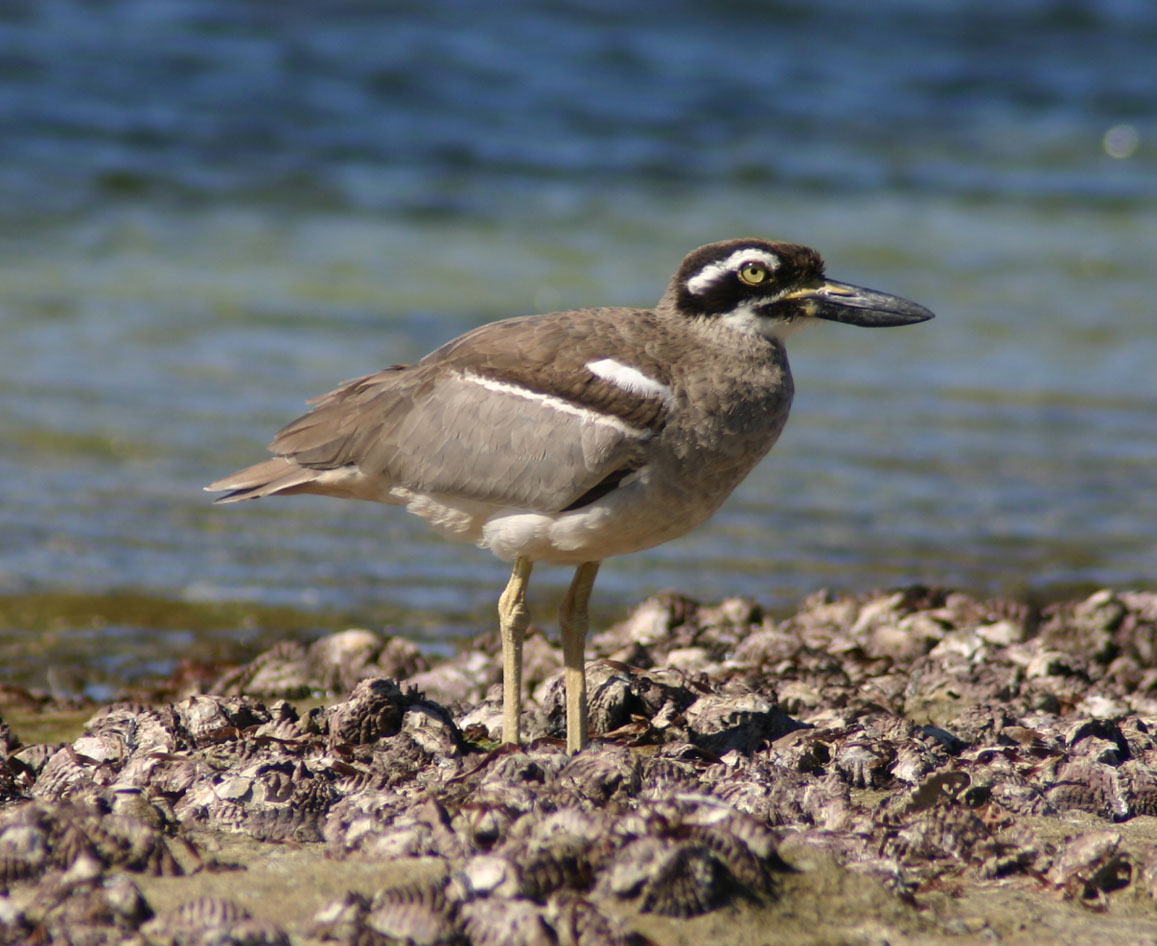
x=839 y=302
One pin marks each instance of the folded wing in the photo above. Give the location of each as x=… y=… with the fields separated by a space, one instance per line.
x=530 y=428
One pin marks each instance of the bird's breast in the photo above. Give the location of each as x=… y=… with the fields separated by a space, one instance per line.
x=731 y=407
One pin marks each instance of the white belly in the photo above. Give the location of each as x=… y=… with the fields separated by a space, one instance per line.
x=632 y=517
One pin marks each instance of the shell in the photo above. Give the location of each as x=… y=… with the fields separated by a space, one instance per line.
x=335 y=663
x=281 y=671
x=499 y=922
x=1089 y=786
x=601 y=774
x=68 y=774
x=420 y=915
x=671 y=878
x=212 y=720
x=373 y=711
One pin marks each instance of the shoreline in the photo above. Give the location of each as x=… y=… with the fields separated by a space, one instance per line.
x=914 y=766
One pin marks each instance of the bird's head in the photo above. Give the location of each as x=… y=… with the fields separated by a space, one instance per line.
x=772 y=288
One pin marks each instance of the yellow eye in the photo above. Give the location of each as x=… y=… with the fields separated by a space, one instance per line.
x=754 y=274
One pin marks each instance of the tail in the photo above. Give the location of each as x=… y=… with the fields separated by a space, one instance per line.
x=320 y=451
x=279 y=475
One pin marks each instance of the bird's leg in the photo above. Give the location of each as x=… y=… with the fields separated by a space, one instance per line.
x=513 y=619
x=573 y=619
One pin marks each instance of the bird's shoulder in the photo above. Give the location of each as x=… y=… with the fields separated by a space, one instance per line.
x=560 y=338
x=609 y=360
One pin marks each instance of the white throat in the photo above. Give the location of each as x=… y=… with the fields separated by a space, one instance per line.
x=746 y=319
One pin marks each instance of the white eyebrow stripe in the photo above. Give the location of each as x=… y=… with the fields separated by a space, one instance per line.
x=555 y=403
x=702 y=280
x=629 y=379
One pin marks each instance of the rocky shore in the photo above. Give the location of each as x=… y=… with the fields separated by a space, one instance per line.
x=915 y=766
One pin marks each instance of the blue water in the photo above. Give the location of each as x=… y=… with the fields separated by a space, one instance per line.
x=210 y=211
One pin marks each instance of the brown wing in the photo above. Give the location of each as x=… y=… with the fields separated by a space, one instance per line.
x=507 y=414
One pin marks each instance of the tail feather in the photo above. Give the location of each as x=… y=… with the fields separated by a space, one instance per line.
x=279 y=475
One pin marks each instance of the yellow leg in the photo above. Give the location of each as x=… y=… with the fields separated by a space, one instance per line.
x=513 y=619
x=573 y=619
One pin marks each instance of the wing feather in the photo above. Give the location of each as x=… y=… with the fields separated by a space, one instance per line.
x=508 y=414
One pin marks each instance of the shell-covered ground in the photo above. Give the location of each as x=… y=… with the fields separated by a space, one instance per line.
x=914 y=766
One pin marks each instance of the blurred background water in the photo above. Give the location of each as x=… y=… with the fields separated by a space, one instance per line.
x=213 y=209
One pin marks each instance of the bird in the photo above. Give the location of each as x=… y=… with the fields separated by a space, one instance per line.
x=575 y=436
